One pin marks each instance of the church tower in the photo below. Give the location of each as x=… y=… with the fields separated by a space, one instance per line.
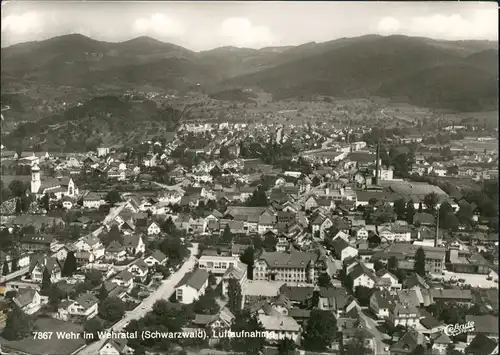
x=35 y=179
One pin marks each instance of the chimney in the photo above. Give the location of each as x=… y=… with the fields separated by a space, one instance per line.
x=377 y=167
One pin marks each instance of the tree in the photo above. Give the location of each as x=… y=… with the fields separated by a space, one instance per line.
x=320 y=331
x=94 y=277
x=46 y=283
x=103 y=293
x=357 y=345
x=287 y=347
x=206 y=304
x=19 y=325
x=5 y=269
x=227 y=236
x=19 y=206
x=410 y=212
x=111 y=309
x=113 y=197
x=114 y=235
x=430 y=201
x=174 y=249
x=363 y=295
x=258 y=198
x=45 y=202
x=324 y=280
x=15 y=264
x=465 y=213
x=420 y=208
x=245 y=321
x=270 y=242
x=234 y=295
x=17 y=188
x=168 y=226
x=378 y=265
x=248 y=258
x=419 y=266
x=212 y=280
x=400 y=208
x=93 y=326
x=419 y=350
x=55 y=296
x=70 y=265
x=392 y=263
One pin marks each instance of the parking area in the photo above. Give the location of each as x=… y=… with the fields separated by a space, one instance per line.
x=475 y=280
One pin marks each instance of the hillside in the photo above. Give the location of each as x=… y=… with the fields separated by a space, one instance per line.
x=234 y=95
x=383 y=66
x=345 y=67
x=103 y=120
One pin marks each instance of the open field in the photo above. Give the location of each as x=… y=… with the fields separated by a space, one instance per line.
x=48 y=346
x=488 y=117
x=475 y=145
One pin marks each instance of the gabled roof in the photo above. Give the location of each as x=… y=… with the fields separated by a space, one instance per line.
x=131 y=240
x=24 y=297
x=361 y=269
x=481 y=345
x=158 y=255
x=487 y=324
x=194 y=279
x=288 y=260
x=87 y=300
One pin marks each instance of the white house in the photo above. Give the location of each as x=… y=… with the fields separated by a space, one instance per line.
x=139 y=269
x=134 y=244
x=115 y=347
x=92 y=245
x=192 y=286
x=381 y=301
x=28 y=300
x=363 y=276
x=153 y=228
x=155 y=259
x=41 y=263
x=93 y=200
x=343 y=250
x=279 y=327
x=217 y=264
x=124 y=279
x=85 y=306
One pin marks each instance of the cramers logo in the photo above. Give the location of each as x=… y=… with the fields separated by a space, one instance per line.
x=457 y=329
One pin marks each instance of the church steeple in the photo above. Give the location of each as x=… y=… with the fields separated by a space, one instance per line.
x=35 y=179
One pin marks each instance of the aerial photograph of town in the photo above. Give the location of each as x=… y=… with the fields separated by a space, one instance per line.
x=249 y=178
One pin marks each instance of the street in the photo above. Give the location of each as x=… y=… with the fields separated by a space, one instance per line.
x=371 y=326
x=163 y=292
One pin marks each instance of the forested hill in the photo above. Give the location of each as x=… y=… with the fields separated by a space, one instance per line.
x=107 y=120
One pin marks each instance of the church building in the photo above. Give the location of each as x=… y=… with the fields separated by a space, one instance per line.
x=59 y=186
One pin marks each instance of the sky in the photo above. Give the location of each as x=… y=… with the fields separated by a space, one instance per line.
x=206 y=25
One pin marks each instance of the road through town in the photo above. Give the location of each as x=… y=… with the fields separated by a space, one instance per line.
x=163 y=292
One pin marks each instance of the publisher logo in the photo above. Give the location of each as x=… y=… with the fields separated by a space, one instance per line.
x=453 y=330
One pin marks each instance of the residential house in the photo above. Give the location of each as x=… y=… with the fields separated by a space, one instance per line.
x=155 y=259
x=90 y=244
x=84 y=307
x=486 y=325
x=115 y=347
x=279 y=327
x=124 y=279
x=37 y=242
x=352 y=334
x=404 y=314
x=134 y=244
x=93 y=200
x=139 y=269
x=320 y=225
x=482 y=345
x=192 y=286
x=408 y=343
x=440 y=342
x=237 y=272
x=153 y=228
x=218 y=322
x=115 y=251
x=267 y=221
x=363 y=276
x=342 y=250
x=387 y=280
x=40 y=263
x=434 y=257
x=28 y=300
x=381 y=302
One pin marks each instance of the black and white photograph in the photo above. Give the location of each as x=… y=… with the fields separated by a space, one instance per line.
x=249 y=178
